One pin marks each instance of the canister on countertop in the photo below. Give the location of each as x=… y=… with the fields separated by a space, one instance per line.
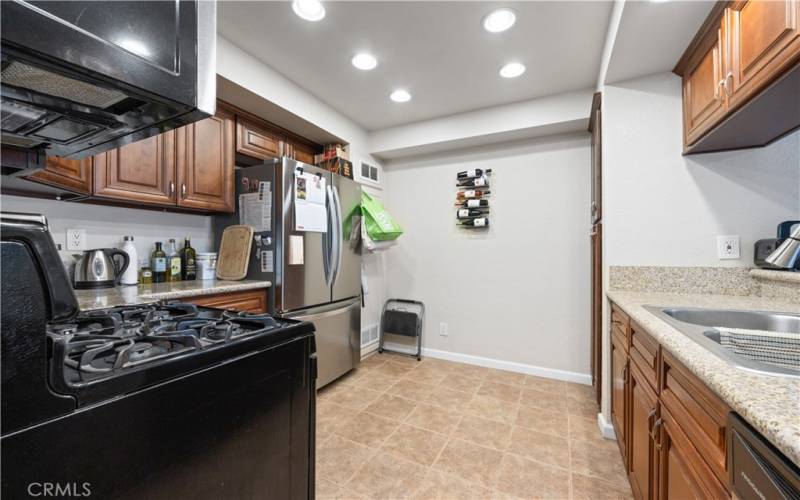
x=206 y=265
x=131 y=275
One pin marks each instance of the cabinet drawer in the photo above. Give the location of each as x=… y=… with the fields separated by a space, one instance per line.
x=644 y=352
x=254 y=301
x=620 y=326
x=699 y=413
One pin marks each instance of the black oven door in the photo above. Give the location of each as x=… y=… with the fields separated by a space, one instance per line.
x=241 y=429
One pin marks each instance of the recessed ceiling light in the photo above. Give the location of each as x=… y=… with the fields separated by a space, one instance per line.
x=364 y=61
x=310 y=10
x=400 y=95
x=499 y=20
x=512 y=70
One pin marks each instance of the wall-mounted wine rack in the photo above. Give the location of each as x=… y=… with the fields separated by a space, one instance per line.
x=472 y=198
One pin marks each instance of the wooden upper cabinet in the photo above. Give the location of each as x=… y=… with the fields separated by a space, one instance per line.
x=71 y=175
x=206 y=159
x=143 y=171
x=255 y=140
x=740 y=76
x=764 y=39
x=304 y=153
x=703 y=97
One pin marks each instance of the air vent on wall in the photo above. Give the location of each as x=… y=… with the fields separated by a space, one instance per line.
x=370 y=174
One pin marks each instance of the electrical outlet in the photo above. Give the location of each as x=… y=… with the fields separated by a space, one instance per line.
x=76 y=239
x=443 y=329
x=728 y=247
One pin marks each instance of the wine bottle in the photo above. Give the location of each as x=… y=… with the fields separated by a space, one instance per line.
x=159 y=264
x=188 y=261
x=173 y=261
x=475 y=203
x=468 y=213
x=475 y=172
x=477 y=222
x=481 y=181
x=472 y=193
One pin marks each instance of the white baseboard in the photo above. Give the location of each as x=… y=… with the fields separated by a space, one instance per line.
x=606 y=429
x=369 y=348
x=580 y=378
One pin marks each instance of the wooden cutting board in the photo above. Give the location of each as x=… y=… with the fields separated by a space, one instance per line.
x=234 y=252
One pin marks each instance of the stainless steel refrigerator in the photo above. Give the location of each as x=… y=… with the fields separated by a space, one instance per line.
x=315 y=276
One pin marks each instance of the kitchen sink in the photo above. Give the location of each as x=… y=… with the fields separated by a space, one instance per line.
x=757 y=341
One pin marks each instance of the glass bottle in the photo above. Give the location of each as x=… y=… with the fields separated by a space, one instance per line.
x=188 y=261
x=158 y=262
x=173 y=261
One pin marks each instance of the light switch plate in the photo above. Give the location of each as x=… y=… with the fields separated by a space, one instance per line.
x=728 y=247
x=443 y=329
x=76 y=239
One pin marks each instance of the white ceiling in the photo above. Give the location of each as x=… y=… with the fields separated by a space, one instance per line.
x=436 y=50
x=653 y=36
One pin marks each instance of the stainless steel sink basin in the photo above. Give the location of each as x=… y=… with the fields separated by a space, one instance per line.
x=758 y=341
x=749 y=320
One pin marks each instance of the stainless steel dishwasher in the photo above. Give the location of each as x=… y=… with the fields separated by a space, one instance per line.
x=757 y=470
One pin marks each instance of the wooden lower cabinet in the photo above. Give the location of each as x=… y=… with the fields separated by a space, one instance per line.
x=683 y=473
x=644 y=413
x=671 y=428
x=253 y=301
x=619 y=397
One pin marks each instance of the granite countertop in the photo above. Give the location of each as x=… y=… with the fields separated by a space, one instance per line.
x=770 y=403
x=128 y=295
x=771 y=275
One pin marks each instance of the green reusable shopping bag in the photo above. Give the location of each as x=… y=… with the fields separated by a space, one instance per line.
x=380 y=225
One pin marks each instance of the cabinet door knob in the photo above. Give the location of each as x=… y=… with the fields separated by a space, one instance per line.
x=183 y=190
x=654 y=434
x=728 y=90
x=171 y=188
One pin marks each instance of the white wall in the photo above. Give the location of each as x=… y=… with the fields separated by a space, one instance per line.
x=519 y=293
x=105 y=226
x=664 y=209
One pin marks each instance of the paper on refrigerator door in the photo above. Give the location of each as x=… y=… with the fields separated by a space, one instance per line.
x=310 y=213
x=255 y=208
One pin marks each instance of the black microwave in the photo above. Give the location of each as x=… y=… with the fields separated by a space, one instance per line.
x=82 y=77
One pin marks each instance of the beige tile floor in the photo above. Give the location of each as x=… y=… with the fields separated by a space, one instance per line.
x=401 y=428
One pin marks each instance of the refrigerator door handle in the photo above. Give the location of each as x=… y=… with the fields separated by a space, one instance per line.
x=329 y=237
x=323 y=313
x=339 y=238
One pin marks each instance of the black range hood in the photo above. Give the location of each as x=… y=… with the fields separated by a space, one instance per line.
x=81 y=77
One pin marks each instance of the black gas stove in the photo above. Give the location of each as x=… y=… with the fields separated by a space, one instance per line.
x=106 y=343
x=176 y=400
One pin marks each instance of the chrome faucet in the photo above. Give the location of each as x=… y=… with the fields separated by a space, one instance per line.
x=787 y=255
